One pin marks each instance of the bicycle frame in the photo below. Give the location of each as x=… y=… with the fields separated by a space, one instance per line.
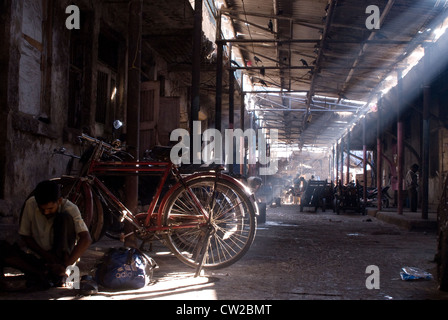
x=164 y=170
x=188 y=209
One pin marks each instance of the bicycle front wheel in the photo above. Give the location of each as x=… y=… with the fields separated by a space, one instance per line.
x=228 y=220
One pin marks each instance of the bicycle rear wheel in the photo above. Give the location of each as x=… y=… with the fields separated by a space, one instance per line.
x=231 y=229
x=88 y=203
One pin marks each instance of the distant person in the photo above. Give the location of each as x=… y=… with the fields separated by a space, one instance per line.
x=53 y=230
x=411 y=187
x=299 y=188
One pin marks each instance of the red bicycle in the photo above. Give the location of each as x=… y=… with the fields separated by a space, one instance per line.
x=205 y=217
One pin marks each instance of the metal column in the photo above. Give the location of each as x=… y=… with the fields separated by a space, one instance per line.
x=379 y=154
x=364 y=159
x=400 y=143
x=347 y=177
x=425 y=138
x=196 y=69
x=338 y=150
x=231 y=99
x=342 y=161
x=133 y=105
x=219 y=67
x=332 y=173
x=195 y=74
x=232 y=116
x=242 y=125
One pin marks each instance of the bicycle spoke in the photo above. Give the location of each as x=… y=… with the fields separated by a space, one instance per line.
x=231 y=218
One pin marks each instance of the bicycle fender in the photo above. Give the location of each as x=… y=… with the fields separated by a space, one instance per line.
x=245 y=189
x=238 y=184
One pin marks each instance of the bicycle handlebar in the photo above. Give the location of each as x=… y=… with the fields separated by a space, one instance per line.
x=95 y=140
x=110 y=148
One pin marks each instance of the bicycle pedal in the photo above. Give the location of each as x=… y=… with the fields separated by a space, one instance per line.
x=124 y=236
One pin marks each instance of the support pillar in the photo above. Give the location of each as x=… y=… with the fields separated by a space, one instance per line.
x=400 y=143
x=242 y=125
x=133 y=105
x=364 y=159
x=219 y=68
x=332 y=173
x=232 y=116
x=195 y=73
x=425 y=138
x=379 y=154
x=196 y=68
x=342 y=161
x=338 y=148
x=347 y=177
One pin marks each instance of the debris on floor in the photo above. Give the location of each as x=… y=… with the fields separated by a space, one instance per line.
x=412 y=273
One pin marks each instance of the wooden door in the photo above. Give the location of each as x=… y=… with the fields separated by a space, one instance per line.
x=149 y=115
x=169 y=118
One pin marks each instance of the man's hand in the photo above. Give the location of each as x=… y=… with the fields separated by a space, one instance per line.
x=48 y=256
x=84 y=241
x=57 y=269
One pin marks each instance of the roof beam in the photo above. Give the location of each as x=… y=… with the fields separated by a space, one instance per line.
x=309 y=67
x=366 y=42
x=301 y=110
x=386 y=11
x=329 y=18
x=270 y=16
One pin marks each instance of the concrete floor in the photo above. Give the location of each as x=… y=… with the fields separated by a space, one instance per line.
x=295 y=256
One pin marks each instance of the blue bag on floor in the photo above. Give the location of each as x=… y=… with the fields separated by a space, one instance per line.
x=125 y=268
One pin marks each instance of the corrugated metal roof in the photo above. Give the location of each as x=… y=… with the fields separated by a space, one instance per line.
x=343 y=60
x=319 y=53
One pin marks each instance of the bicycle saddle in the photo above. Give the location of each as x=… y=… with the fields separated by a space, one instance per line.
x=159 y=153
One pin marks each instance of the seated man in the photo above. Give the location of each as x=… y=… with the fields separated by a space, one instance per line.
x=53 y=229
